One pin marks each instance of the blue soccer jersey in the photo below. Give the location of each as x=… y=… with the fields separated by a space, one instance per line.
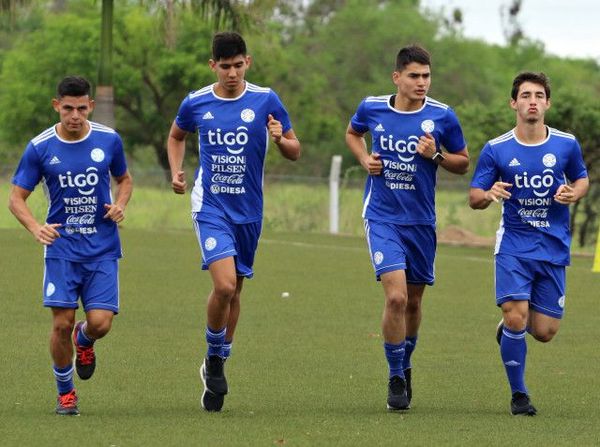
x=76 y=179
x=233 y=139
x=533 y=224
x=404 y=193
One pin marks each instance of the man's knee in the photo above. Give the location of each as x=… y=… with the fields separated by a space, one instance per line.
x=413 y=307
x=62 y=326
x=515 y=320
x=544 y=335
x=225 y=290
x=397 y=301
x=99 y=323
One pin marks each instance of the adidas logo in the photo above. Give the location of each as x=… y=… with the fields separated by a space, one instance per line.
x=512 y=363
x=54 y=160
x=208 y=116
x=379 y=128
x=514 y=162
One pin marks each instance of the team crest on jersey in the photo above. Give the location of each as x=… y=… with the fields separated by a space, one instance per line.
x=247 y=115
x=97 y=155
x=427 y=126
x=210 y=243
x=549 y=160
x=50 y=289
x=377 y=257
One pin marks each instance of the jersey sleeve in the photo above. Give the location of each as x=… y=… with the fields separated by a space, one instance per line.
x=279 y=112
x=118 y=165
x=185 y=116
x=486 y=172
x=452 y=138
x=359 y=120
x=29 y=170
x=575 y=168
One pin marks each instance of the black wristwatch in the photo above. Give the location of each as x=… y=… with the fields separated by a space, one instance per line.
x=438 y=158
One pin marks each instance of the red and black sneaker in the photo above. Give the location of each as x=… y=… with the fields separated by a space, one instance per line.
x=66 y=404
x=85 y=358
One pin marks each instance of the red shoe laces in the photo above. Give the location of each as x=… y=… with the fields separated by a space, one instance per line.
x=68 y=400
x=85 y=355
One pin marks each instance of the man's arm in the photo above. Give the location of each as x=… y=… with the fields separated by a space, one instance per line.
x=455 y=162
x=176 y=153
x=116 y=211
x=567 y=194
x=44 y=234
x=358 y=146
x=480 y=199
x=287 y=142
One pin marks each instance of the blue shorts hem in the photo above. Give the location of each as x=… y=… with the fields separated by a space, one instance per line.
x=62 y=305
x=215 y=258
x=547 y=312
x=512 y=297
x=389 y=268
x=427 y=283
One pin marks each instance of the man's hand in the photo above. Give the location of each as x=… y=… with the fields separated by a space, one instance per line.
x=47 y=233
x=114 y=212
x=565 y=195
x=426 y=146
x=498 y=191
x=178 y=183
x=372 y=164
x=275 y=129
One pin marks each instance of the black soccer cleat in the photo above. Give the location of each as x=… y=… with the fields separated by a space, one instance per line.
x=397 y=399
x=499 y=330
x=215 y=383
x=408 y=378
x=520 y=405
x=85 y=357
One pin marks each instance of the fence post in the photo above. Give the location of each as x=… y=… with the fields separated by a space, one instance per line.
x=334 y=194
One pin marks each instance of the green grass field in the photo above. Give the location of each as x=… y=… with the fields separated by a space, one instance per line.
x=305 y=370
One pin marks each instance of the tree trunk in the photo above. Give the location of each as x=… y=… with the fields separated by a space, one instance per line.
x=104 y=112
x=105 y=108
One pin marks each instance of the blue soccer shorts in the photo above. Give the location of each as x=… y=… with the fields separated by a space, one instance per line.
x=96 y=283
x=541 y=283
x=220 y=238
x=402 y=247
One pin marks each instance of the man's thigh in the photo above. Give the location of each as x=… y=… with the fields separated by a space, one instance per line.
x=100 y=289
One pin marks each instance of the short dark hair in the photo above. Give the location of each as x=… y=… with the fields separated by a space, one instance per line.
x=529 y=76
x=73 y=86
x=227 y=44
x=410 y=54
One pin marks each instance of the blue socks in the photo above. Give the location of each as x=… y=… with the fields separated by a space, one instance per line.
x=83 y=339
x=395 y=357
x=227 y=349
x=411 y=343
x=215 y=341
x=513 y=350
x=64 y=378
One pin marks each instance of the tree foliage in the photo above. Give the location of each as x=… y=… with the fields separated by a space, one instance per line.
x=321 y=56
